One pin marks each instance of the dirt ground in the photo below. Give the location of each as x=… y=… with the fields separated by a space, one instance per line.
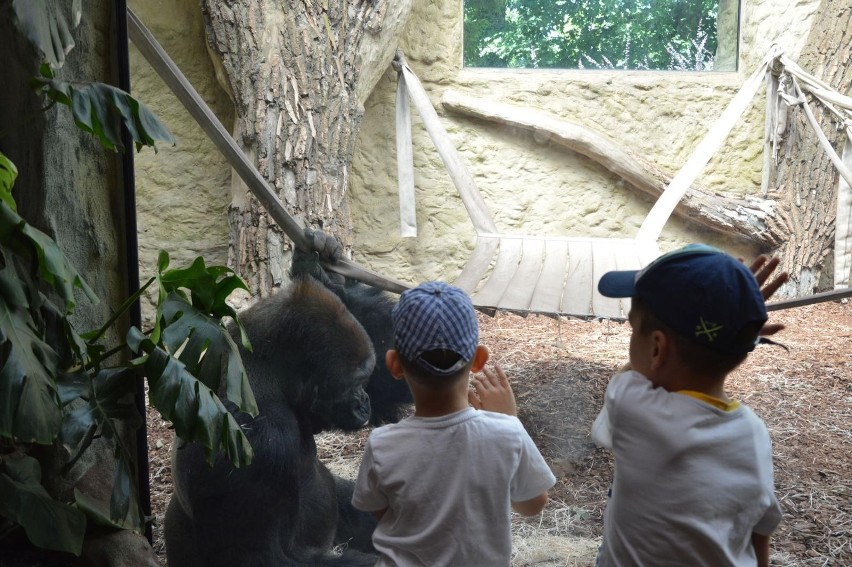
x=559 y=369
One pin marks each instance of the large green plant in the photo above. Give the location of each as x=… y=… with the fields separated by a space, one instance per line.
x=58 y=386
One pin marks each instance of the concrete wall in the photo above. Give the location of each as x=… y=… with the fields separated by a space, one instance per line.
x=534 y=187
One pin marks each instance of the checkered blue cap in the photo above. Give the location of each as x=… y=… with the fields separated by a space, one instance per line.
x=700 y=292
x=435 y=316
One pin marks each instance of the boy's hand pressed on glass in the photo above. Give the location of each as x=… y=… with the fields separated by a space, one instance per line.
x=492 y=392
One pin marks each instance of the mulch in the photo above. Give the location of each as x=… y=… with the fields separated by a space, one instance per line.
x=559 y=370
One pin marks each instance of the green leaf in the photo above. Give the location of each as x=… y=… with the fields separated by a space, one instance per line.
x=54 y=267
x=102 y=109
x=193 y=408
x=162 y=261
x=98 y=515
x=8 y=174
x=94 y=510
x=122 y=491
x=29 y=404
x=47 y=24
x=73 y=386
x=209 y=288
x=206 y=346
x=108 y=397
x=109 y=405
x=48 y=524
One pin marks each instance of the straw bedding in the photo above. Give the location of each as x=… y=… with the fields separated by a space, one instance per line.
x=559 y=369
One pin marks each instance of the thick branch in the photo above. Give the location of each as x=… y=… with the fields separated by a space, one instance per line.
x=749 y=218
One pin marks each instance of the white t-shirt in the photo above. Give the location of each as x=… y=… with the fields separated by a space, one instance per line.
x=691 y=483
x=448 y=483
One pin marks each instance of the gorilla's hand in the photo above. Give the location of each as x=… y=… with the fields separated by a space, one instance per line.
x=322 y=247
x=325 y=245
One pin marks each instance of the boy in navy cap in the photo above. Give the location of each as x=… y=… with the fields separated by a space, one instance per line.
x=442 y=481
x=693 y=482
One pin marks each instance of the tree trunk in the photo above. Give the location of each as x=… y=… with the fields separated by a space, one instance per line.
x=293 y=69
x=805 y=179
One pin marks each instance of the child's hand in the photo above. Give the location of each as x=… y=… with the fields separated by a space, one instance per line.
x=762 y=268
x=492 y=392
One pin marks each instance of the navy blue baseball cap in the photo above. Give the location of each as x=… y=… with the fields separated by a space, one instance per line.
x=700 y=292
x=435 y=316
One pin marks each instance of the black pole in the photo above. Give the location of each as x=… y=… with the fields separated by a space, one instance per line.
x=132 y=256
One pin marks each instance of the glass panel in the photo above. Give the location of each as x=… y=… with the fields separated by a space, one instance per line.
x=672 y=35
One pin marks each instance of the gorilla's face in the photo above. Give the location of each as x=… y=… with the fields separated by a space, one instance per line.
x=342 y=361
x=343 y=403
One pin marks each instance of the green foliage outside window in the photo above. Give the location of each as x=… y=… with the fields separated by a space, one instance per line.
x=597 y=34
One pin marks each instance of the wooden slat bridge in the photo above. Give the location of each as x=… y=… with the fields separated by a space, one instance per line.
x=521 y=273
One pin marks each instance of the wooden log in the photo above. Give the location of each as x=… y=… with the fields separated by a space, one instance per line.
x=745 y=218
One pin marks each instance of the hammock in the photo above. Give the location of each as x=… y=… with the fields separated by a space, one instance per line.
x=555 y=276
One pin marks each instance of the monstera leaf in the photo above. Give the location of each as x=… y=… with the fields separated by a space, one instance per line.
x=206 y=346
x=8 y=174
x=193 y=408
x=102 y=109
x=48 y=523
x=54 y=268
x=47 y=24
x=29 y=405
x=208 y=289
x=109 y=402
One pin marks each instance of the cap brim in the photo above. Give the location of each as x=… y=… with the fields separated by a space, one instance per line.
x=618 y=284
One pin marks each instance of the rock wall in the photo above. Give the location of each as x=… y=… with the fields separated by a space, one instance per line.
x=532 y=187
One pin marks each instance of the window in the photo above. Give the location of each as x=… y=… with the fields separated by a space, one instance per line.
x=676 y=35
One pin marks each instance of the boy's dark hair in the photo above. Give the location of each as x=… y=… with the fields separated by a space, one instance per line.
x=698 y=359
x=439 y=358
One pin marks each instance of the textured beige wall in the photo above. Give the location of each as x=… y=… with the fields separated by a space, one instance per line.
x=532 y=187
x=183 y=191
x=538 y=188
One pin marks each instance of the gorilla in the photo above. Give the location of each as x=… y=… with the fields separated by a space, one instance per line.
x=390 y=398
x=310 y=364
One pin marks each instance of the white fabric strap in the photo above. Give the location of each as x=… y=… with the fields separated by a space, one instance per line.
x=709 y=145
x=843 y=232
x=461 y=177
x=405 y=163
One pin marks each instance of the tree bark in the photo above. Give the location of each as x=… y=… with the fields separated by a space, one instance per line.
x=293 y=69
x=804 y=179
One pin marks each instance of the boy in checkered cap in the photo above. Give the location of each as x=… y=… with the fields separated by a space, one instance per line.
x=442 y=482
x=693 y=482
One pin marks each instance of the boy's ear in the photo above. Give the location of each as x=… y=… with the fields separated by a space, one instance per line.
x=480 y=357
x=393 y=364
x=661 y=349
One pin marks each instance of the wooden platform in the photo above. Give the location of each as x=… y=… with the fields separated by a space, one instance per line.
x=550 y=275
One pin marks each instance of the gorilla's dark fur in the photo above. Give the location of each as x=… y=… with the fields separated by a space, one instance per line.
x=310 y=363
x=372 y=307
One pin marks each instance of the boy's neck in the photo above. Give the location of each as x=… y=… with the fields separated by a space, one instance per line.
x=677 y=379
x=436 y=403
